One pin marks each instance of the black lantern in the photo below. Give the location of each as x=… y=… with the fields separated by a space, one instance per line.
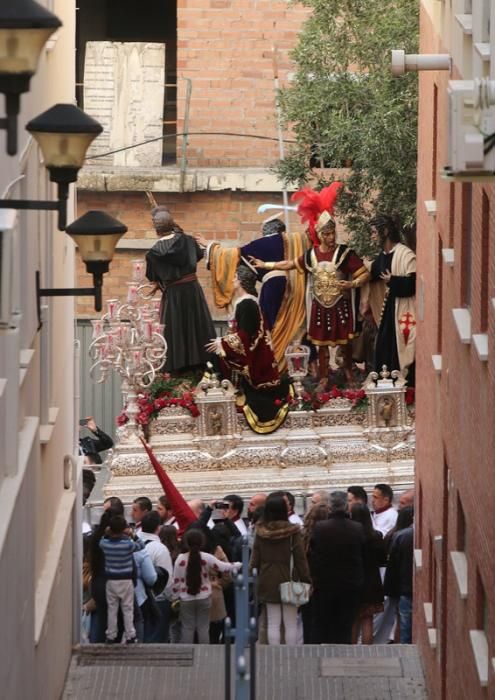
x=25 y=26
x=96 y=234
x=64 y=133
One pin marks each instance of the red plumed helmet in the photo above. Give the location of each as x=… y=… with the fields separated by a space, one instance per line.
x=312 y=204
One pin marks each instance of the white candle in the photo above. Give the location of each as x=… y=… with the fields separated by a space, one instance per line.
x=131 y=293
x=112 y=307
x=147 y=329
x=137 y=270
x=97 y=327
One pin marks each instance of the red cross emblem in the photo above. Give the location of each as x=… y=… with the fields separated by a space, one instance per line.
x=406 y=323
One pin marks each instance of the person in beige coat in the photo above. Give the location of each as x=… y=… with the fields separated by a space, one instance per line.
x=275 y=539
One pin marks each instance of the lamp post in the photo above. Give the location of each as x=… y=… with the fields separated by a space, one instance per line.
x=25 y=26
x=96 y=234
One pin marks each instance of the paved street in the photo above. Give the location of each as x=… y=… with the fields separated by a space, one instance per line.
x=180 y=672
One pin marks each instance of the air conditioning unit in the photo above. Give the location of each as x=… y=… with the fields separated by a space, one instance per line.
x=471 y=138
x=7 y=224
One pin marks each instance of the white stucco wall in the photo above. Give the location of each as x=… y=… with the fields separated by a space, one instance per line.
x=37 y=421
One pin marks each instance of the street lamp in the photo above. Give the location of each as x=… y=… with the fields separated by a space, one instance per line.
x=64 y=133
x=96 y=234
x=25 y=26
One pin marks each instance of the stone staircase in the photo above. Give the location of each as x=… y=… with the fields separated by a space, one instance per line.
x=183 y=672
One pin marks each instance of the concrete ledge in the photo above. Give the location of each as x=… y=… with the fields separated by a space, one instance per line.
x=465 y=22
x=428 y=611
x=432 y=637
x=480 y=342
x=448 y=256
x=135 y=243
x=462 y=320
x=483 y=50
x=46 y=429
x=98 y=179
x=459 y=563
x=418 y=559
x=479 y=645
x=437 y=363
x=26 y=356
x=431 y=207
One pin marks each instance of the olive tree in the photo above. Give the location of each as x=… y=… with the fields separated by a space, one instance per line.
x=346 y=108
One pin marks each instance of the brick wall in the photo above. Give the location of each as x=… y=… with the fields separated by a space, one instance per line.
x=455 y=415
x=225 y=48
x=224 y=216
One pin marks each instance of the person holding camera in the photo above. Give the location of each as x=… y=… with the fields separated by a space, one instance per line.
x=91 y=445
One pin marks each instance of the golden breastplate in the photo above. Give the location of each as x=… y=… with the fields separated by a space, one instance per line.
x=326 y=288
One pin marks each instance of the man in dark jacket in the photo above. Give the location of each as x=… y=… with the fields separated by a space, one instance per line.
x=399 y=579
x=337 y=571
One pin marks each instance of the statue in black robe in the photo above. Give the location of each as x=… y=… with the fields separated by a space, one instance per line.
x=171 y=264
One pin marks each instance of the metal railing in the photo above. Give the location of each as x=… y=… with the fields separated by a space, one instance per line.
x=244 y=635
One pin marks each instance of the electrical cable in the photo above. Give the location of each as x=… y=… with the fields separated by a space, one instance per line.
x=190 y=133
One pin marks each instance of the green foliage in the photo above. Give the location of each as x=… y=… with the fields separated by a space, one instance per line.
x=172 y=386
x=345 y=101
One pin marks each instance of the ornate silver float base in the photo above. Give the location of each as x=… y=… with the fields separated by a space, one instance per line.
x=324 y=450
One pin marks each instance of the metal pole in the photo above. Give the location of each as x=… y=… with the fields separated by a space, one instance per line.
x=252 y=657
x=183 y=159
x=279 y=131
x=228 y=656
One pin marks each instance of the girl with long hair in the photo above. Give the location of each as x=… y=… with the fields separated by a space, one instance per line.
x=192 y=586
x=317 y=512
x=168 y=537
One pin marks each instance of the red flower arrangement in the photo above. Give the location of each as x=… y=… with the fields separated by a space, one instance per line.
x=314 y=401
x=164 y=392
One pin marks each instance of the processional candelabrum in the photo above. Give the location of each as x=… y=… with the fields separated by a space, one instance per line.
x=128 y=339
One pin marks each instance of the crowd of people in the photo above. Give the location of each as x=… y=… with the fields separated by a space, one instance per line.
x=151 y=579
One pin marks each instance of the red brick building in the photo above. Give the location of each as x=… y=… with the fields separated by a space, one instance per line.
x=220 y=89
x=455 y=416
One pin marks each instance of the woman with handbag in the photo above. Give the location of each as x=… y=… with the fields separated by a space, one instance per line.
x=283 y=572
